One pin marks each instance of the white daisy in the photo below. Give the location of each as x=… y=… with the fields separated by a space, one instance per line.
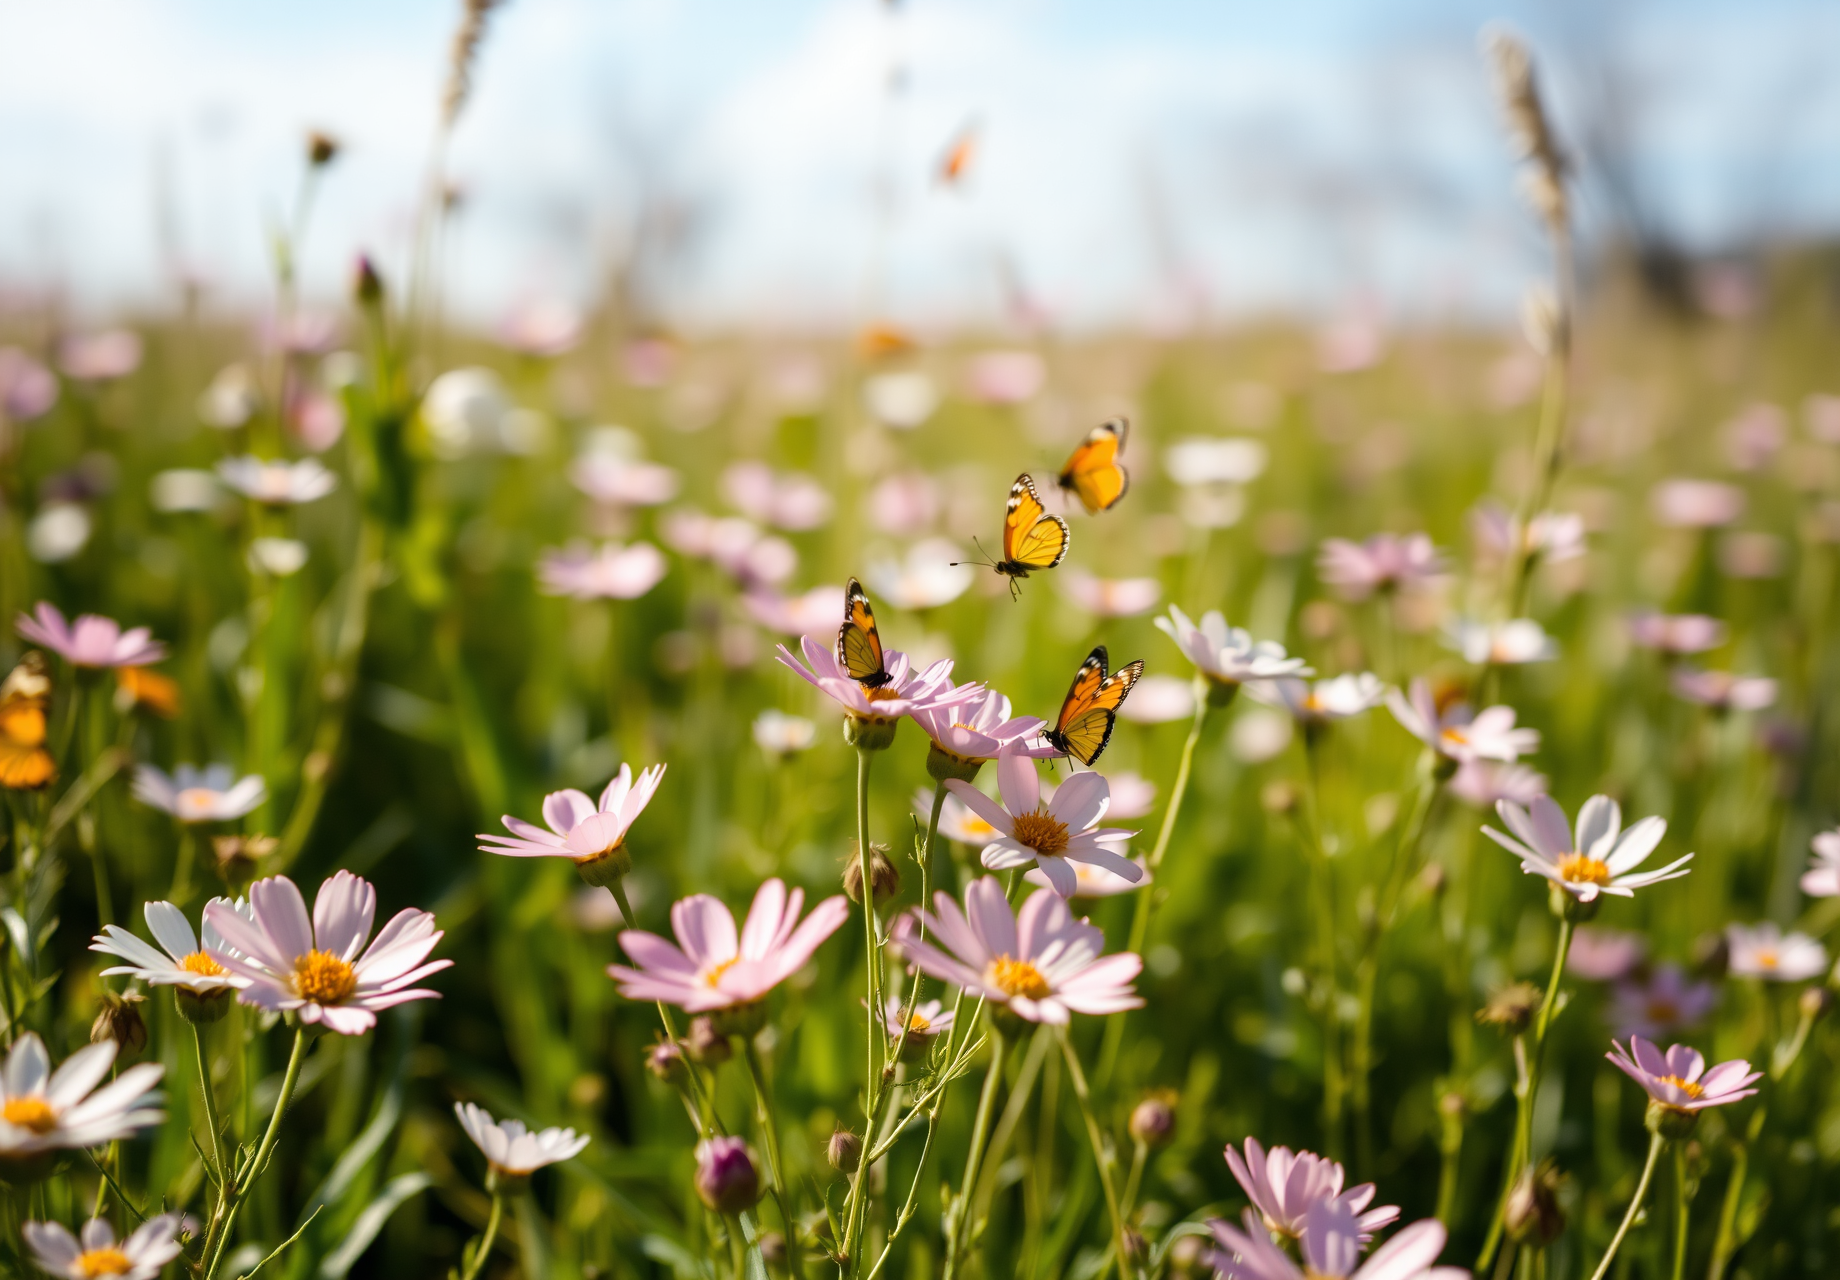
x=514 y=1150
x=179 y=960
x=1050 y=836
x=190 y=794
x=141 y=1256
x=42 y=1110
x=1602 y=858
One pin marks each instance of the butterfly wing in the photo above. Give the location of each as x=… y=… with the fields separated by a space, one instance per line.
x=1032 y=539
x=859 y=644
x=1090 y=710
x=1093 y=473
x=24 y=768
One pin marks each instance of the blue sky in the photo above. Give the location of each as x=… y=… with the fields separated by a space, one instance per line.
x=1138 y=161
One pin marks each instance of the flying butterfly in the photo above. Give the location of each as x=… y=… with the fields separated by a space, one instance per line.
x=1091 y=708
x=25 y=765
x=1093 y=473
x=1032 y=539
x=859 y=644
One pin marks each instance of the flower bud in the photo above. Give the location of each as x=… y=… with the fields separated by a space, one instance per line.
x=707 y=1044
x=239 y=858
x=1278 y=797
x=322 y=149
x=366 y=284
x=665 y=1059
x=1511 y=1008
x=1816 y=1002
x=1533 y=1212
x=844 y=1151
x=202 y=1008
x=883 y=874
x=120 y=1021
x=725 y=1175
x=1153 y=1121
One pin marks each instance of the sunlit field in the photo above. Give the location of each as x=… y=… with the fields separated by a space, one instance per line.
x=540 y=638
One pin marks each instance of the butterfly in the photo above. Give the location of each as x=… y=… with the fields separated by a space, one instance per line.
x=25 y=765
x=1093 y=473
x=859 y=644
x=1032 y=539
x=1091 y=708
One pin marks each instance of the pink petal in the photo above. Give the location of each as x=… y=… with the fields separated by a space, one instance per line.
x=282 y=914
x=704 y=929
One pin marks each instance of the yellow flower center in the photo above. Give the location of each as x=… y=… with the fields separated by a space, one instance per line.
x=202 y=965
x=195 y=801
x=1688 y=1087
x=885 y=693
x=714 y=976
x=108 y=1261
x=30 y=1112
x=1455 y=737
x=1040 y=831
x=1766 y=957
x=918 y=1025
x=1581 y=868
x=1017 y=978
x=977 y=825
x=323 y=978
x=1662 y=1011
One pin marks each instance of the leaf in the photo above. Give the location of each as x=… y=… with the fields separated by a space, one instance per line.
x=371 y=1221
x=359 y=1153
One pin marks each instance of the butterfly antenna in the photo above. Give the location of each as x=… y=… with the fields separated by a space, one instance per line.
x=985 y=561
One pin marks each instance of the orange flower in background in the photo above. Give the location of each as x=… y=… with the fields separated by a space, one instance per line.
x=25 y=765
x=141 y=687
x=880 y=340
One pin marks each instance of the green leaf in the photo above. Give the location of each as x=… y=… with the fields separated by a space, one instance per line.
x=370 y=1222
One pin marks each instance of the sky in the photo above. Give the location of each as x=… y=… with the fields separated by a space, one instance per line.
x=747 y=162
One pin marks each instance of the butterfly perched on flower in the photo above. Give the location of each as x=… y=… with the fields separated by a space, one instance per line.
x=1032 y=539
x=25 y=765
x=1093 y=474
x=859 y=644
x=1090 y=709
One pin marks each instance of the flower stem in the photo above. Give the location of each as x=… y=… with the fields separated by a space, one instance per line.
x=958 y=1216
x=1655 y=1143
x=1101 y=1156
x=253 y=1169
x=1726 y=1242
x=855 y=1206
x=1140 y=917
x=210 y=1110
x=485 y=1241
x=1680 y=1211
x=1520 y=1154
x=769 y=1124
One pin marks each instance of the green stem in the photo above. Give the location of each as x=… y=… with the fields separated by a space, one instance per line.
x=1680 y=1211
x=1726 y=1243
x=913 y=1194
x=958 y=1217
x=1520 y=1154
x=1655 y=1143
x=485 y=1241
x=1140 y=916
x=258 y=1163
x=182 y=864
x=855 y=1206
x=210 y=1111
x=1101 y=1156
x=769 y=1123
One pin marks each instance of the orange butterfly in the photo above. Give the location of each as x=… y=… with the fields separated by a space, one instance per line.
x=25 y=765
x=1090 y=709
x=859 y=644
x=958 y=156
x=1032 y=539
x=1093 y=473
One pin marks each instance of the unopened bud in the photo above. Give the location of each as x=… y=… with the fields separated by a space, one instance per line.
x=725 y=1175
x=1136 y=1248
x=120 y=1021
x=1153 y=1121
x=322 y=149
x=883 y=874
x=1511 y=1008
x=844 y=1151
x=1816 y=1002
x=706 y=1044
x=239 y=858
x=665 y=1060
x=1533 y=1213
x=1279 y=797
x=366 y=284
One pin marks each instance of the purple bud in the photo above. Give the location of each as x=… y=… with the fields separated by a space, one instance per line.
x=725 y=1175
